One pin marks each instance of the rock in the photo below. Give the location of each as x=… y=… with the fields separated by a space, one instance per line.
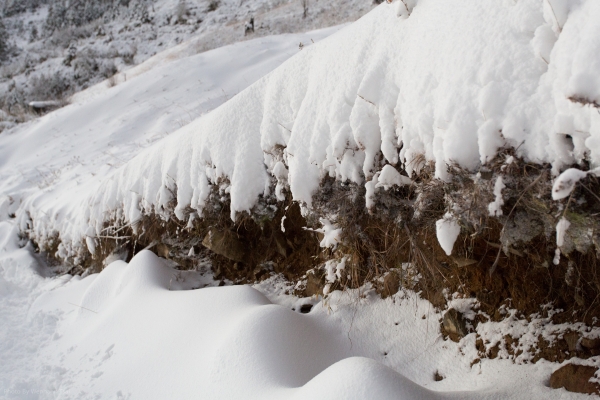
x=162 y=250
x=592 y=345
x=226 y=244
x=575 y=378
x=259 y=273
x=454 y=325
x=281 y=243
x=391 y=284
x=571 y=338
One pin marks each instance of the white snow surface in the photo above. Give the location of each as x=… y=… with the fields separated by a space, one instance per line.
x=145 y=331
x=452 y=81
x=565 y=183
x=447 y=231
x=495 y=207
x=51 y=165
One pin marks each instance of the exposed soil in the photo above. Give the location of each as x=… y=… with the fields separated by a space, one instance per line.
x=504 y=260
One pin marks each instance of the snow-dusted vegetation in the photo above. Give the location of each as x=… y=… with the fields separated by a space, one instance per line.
x=423 y=183
x=52 y=49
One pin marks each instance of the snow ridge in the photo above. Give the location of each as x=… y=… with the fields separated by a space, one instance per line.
x=452 y=81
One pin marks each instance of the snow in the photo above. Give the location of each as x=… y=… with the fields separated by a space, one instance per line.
x=51 y=165
x=391 y=177
x=144 y=330
x=334 y=270
x=561 y=229
x=331 y=234
x=495 y=207
x=451 y=83
x=44 y=104
x=447 y=231
x=444 y=81
x=565 y=183
x=138 y=31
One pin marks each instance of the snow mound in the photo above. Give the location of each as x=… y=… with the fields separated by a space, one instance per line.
x=363 y=378
x=231 y=342
x=126 y=333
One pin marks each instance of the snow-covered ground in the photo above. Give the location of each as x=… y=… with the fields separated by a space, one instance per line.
x=145 y=331
x=65 y=154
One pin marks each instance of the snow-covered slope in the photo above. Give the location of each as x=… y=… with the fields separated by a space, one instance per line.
x=56 y=49
x=449 y=80
x=57 y=160
x=131 y=332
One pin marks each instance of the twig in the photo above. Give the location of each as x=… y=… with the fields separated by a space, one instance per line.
x=368 y=101
x=83 y=307
x=289 y=130
x=556 y=19
x=113 y=237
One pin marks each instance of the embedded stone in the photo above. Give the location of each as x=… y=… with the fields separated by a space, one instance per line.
x=226 y=244
x=454 y=325
x=575 y=378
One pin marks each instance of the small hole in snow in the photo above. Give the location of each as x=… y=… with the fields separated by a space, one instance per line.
x=305 y=309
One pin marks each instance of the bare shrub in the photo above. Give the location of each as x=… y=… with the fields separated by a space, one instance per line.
x=108 y=69
x=213 y=5
x=181 y=12
x=66 y=36
x=49 y=87
x=4 y=45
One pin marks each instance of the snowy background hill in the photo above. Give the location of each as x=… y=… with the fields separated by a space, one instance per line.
x=53 y=49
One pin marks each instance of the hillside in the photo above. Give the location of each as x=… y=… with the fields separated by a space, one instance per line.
x=53 y=49
x=421 y=183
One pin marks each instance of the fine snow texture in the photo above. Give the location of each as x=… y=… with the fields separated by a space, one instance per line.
x=134 y=332
x=451 y=81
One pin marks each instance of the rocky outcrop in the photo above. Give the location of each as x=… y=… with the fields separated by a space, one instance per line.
x=575 y=378
x=226 y=244
x=454 y=325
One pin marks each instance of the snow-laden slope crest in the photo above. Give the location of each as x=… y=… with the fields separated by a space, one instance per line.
x=441 y=80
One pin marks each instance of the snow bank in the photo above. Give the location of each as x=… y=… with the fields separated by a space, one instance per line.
x=131 y=332
x=451 y=81
x=50 y=166
x=227 y=342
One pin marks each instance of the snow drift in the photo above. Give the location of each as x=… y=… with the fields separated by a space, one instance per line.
x=136 y=330
x=451 y=81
